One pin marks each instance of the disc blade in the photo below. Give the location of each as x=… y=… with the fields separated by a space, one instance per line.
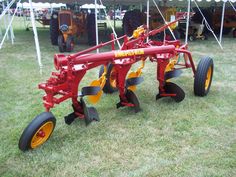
x=172 y=74
x=134 y=81
x=90 y=113
x=132 y=98
x=93 y=99
x=90 y=90
x=172 y=88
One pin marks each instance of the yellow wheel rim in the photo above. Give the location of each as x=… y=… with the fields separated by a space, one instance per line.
x=208 y=78
x=95 y=98
x=42 y=134
x=112 y=78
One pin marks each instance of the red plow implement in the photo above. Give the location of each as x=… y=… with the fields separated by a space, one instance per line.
x=171 y=57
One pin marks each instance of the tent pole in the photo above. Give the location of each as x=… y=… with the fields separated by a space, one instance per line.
x=141 y=6
x=171 y=31
x=114 y=16
x=109 y=22
x=35 y=36
x=24 y=17
x=148 y=9
x=8 y=27
x=187 y=23
x=0 y=30
x=222 y=21
x=11 y=29
x=207 y=25
x=232 y=6
x=4 y=18
x=96 y=24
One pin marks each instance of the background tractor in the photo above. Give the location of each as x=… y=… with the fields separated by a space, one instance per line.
x=134 y=18
x=65 y=26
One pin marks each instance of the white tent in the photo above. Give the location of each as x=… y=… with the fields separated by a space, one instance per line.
x=40 y=5
x=92 y=6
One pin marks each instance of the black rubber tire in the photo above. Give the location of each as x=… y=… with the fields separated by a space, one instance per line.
x=32 y=128
x=132 y=20
x=61 y=43
x=54 y=28
x=234 y=33
x=69 y=44
x=91 y=29
x=201 y=76
x=107 y=88
x=191 y=38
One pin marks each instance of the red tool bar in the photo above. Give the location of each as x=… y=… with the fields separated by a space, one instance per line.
x=61 y=60
x=118 y=54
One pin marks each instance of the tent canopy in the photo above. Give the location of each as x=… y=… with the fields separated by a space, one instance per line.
x=110 y=2
x=92 y=6
x=40 y=5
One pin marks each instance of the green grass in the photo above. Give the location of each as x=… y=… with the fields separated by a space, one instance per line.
x=196 y=137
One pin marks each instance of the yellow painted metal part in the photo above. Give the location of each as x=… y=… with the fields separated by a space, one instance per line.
x=46 y=129
x=135 y=74
x=138 y=32
x=172 y=63
x=208 y=78
x=93 y=99
x=112 y=78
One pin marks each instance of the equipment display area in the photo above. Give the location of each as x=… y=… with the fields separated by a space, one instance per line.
x=120 y=88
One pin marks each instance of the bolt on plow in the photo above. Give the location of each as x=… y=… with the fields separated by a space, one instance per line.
x=170 y=57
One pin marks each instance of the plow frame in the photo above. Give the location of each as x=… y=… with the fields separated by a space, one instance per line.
x=65 y=82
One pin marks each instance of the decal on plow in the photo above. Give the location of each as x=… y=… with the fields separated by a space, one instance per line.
x=129 y=53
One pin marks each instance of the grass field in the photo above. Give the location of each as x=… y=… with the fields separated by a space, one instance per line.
x=196 y=137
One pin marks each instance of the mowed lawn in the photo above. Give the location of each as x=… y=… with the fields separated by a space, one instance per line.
x=196 y=137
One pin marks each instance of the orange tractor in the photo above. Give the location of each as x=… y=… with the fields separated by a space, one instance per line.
x=71 y=26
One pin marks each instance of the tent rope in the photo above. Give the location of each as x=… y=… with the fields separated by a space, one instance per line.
x=232 y=6
x=113 y=30
x=8 y=27
x=164 y=19
x=207 y=24
x=7 y=9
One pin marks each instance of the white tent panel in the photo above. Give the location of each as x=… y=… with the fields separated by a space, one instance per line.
x=92 y=6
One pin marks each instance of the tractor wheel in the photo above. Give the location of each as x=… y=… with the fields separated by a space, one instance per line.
x=54 y=28
x=203 y=76
x=38 y=131
x=234 y=33
x=91 y=29
x=191 y=38
x=131 y=21
x=169 y=35
x=69 y=44
x=110 y=85
x=61 y=43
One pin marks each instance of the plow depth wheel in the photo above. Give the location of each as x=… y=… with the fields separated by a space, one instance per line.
x=110 y=85
x=203 y=76
x=37 y=132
